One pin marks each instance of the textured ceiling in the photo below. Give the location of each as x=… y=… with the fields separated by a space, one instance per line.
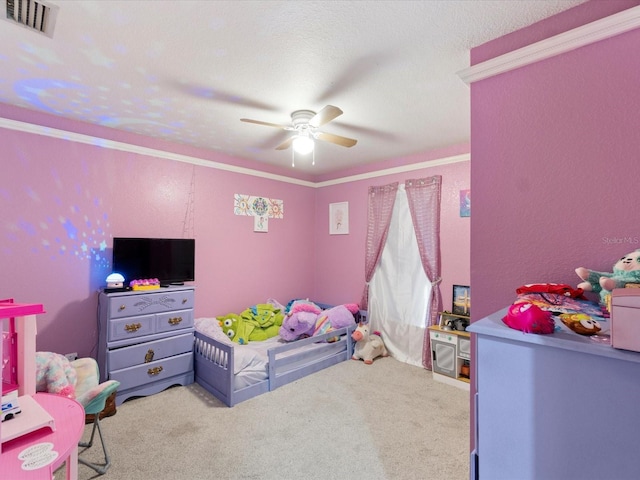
x=187 y=71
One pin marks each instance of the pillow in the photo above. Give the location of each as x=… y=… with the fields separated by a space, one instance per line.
x=243 y=356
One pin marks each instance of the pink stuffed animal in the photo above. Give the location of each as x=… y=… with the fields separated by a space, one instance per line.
x=367 y=346
x=529 y=318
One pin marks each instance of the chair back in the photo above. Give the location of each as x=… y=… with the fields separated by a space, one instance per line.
x=90 y=393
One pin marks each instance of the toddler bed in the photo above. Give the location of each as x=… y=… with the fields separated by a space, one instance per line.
x=234 y=373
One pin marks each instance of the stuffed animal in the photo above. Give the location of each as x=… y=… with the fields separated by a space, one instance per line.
x=581 y=323
x=529 y=318
x=304 y=322
x=626 y=270
x=255 y=324
x=54 y=374
x=368 y=347
x=296 y=325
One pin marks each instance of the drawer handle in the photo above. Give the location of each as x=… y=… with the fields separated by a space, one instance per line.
x=185 y=300
x=149 y=356
x=132 y=327
x=154 y=370
x=122 y=307
x=175 y=320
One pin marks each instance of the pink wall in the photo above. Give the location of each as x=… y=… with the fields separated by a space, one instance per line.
x=554 y=148
x=340 y=258
x=62 y=202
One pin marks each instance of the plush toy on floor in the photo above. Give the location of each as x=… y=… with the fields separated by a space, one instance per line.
x=367 y=346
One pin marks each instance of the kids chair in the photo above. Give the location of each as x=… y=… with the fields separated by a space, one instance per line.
x=92 y=395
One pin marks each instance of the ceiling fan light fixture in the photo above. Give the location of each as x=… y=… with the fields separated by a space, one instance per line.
x=303 y=144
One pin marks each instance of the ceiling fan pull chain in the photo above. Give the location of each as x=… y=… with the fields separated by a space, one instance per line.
x=293 y=157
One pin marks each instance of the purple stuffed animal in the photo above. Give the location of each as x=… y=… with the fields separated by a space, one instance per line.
x=300 y=324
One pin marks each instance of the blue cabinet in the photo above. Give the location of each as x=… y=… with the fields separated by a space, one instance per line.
x=146 y=339
x=553 y=407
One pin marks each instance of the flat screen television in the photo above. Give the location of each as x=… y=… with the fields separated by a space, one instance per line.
x=170 y=260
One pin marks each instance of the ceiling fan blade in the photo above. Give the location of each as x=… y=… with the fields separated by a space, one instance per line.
x=325 y=115
x=258 y=122
x=337 y=139
x=286 y=144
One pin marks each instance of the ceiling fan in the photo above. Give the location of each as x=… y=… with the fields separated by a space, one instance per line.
x=306 y=124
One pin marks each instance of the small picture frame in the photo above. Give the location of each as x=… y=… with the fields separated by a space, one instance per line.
x=261 y=223
x=461 y=303
x=465 y=203
x=339 y=218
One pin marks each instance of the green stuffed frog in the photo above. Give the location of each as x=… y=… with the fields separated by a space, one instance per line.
x=255 y=324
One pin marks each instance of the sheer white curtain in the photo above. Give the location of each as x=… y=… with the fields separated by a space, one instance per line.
x=399 y=291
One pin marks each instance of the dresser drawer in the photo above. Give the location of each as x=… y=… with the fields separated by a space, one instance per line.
x=131 y=327
x=156 y=302
x=174 y=320
x=150 y=351
x=150 y=372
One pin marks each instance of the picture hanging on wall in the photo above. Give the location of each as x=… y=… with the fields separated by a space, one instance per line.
x=339 y=218
x=261 y=223
x=465 y=203
x=260 y=208
x=461 y=300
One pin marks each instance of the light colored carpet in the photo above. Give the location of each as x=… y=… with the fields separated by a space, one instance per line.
x=383 y=421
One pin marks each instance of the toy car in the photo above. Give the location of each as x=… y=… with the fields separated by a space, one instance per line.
x=10 y=408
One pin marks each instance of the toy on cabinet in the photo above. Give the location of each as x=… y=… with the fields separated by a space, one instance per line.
x=626 y=270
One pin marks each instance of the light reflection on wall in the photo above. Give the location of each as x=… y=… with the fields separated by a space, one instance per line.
x=47 y=224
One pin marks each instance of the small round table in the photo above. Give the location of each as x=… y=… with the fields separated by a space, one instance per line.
x=38 y=454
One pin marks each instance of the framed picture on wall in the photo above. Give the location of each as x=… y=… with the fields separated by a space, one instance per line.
x=465 y=203
x=339 y=218
x=261 y=223
x=461 y=300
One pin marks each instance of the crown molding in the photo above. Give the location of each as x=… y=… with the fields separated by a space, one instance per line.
x=150 y=152
x=16 y=125
x=602 y=29
x=464 y=157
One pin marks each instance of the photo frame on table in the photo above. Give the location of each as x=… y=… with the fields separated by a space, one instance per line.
x=461 y=304
x=339 y=218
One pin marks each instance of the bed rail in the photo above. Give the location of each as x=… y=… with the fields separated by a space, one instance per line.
x=287 y=362
x=287 y=369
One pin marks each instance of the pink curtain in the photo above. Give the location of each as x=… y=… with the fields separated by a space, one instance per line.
x=424 y=203
x=379 y=209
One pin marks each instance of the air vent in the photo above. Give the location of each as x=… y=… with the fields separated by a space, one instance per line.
x=34 y=15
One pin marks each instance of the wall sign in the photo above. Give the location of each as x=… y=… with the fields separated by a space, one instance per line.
x=261 y=208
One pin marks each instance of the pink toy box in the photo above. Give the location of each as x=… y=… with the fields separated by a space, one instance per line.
x=625 y=318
